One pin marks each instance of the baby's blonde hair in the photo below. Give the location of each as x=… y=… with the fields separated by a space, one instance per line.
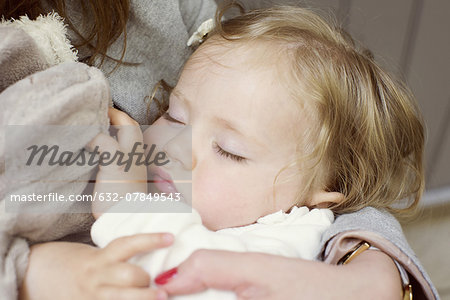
x=370 y=136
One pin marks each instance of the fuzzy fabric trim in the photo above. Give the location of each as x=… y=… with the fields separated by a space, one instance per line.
x=50 y=34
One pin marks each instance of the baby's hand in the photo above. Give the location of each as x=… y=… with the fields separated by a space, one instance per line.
x=114 y=181
x=63 y=270
x=114 y=277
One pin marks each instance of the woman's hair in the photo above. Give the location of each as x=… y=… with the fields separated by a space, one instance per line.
x=106 y=19
x=370 y=138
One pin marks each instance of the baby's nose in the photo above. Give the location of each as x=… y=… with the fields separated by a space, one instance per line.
x=179 y=148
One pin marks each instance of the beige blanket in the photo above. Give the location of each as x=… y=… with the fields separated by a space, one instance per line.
x=34 y=91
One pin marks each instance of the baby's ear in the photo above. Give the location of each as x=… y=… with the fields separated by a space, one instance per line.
x=323 y=199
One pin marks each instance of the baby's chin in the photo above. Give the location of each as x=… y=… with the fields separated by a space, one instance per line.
x=214 y=227
x=214 y=224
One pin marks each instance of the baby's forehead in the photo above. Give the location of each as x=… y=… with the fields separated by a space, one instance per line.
x=268 y=74
x=255 y=54
x=273 y=58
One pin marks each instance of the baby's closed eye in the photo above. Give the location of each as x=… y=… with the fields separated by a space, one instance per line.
x=227 y=154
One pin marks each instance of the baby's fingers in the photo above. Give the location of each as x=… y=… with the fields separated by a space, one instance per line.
x=116 y=293
x=105 y=143
x=129 y=132
x=118 y=117
x=124 y=248
x=130 y=138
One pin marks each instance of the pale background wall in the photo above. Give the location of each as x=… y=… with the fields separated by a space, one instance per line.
x=412 y=39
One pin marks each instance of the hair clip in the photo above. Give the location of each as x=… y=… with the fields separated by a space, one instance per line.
x=202 y=31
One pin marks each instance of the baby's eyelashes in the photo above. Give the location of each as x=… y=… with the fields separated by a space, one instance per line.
x=219 y=150
x=227 y=154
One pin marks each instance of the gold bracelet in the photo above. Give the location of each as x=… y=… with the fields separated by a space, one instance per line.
x=357 y=250
x=360 y=248
x=407 y=292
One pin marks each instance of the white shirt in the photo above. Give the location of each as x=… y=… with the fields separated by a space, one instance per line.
x=293 y=234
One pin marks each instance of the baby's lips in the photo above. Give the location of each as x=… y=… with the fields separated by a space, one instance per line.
x=157 y=171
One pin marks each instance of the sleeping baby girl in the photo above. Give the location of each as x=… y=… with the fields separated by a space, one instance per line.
x=274 y=125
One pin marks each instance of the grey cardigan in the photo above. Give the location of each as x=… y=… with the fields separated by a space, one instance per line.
x=157 y=34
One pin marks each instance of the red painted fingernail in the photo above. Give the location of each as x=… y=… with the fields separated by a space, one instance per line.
x=165 y=277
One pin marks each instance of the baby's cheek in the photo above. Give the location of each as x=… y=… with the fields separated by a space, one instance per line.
x=204 y=191
x=213 y=198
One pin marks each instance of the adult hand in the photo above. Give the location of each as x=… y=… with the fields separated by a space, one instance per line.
x=372 y=275
x=61 y=270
